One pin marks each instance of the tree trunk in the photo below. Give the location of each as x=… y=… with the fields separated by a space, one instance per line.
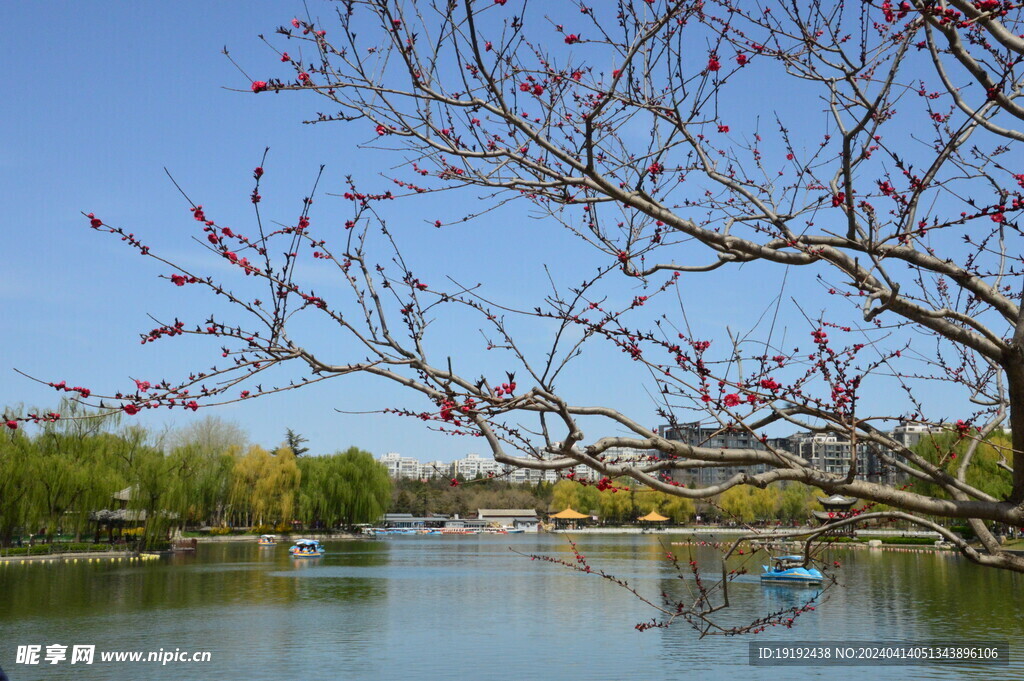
x=1015 y=379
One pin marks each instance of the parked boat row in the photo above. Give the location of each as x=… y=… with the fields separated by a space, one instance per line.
x=406 y=531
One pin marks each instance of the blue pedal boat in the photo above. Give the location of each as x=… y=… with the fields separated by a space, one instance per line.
x=791 y=570
x=306 y=548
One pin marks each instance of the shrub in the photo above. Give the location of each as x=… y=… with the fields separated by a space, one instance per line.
x=915 y=541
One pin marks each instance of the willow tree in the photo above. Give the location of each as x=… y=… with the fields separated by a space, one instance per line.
x=264 y=486
x=204 y=453
x=73 y=470
x=343 y=489
x=677 y=509
x=888 y=184
x=15 y=485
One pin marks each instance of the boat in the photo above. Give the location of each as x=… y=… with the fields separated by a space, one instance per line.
x=790 y=569
x=306 y=548
x=267 y=540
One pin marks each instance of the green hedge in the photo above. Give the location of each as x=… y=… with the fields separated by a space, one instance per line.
x=47 y=549
x=915 y=541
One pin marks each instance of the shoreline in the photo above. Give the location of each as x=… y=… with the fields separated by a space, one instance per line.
x=282 y=538
x=81 y=556
x=734 y=530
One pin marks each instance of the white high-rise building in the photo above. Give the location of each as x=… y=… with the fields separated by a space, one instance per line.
x=435 y=469
x=473 y=465
x=400 y=466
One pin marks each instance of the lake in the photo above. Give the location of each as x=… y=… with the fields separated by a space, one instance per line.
x=453 y=608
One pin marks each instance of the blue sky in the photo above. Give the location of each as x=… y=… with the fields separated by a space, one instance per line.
x=103 y=96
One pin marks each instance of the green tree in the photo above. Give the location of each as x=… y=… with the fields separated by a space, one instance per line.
x=346 y=488
x=294 y=442
x=74 y=469
x=265 y=485
x=615 y=505
x=15 y=483
x=749 y=504
x=987 y=470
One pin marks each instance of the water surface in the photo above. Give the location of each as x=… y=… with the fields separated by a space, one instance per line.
x=467 y=607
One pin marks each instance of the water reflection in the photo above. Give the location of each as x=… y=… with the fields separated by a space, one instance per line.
x=468 y=608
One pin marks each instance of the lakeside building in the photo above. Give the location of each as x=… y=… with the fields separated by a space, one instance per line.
x=514 y=518
x=524 y=519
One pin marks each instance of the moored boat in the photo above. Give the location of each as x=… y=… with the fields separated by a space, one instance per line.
x=790 y=569
x=306 y=548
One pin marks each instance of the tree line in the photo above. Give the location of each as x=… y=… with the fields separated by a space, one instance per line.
x=55 y=480
x=617 y=503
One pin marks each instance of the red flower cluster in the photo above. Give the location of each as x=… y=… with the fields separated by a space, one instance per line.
x=63 y=385
x=505 y=389
x=259 y=85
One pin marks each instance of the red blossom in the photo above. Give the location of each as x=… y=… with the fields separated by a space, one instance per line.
x=259 y=85
x=713 y=63
x=12 y=424
x=130 y=409
x=571 y=39
x=731 y=400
